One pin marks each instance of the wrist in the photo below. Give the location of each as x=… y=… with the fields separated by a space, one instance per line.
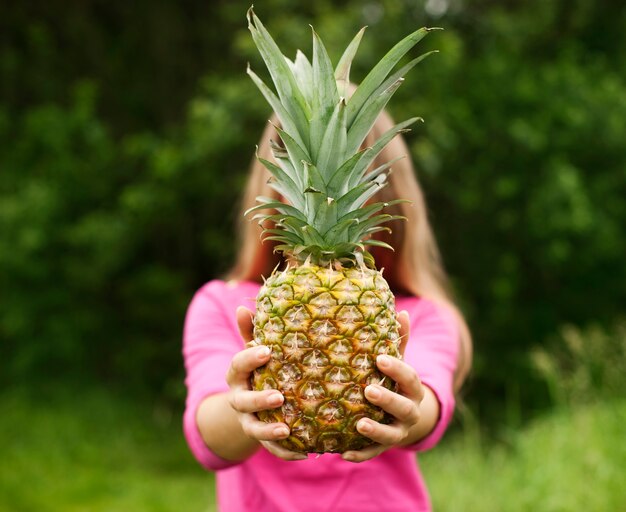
x=220 y=428
x=430 y=412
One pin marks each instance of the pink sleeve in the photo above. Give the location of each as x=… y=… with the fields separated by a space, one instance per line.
x=433 y=351
x=210 y=340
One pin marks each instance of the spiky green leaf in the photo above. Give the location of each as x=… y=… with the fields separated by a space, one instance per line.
x=361 y=214
x=343 y=173
x=283 y=114
x=371 y=153
x=321 y=172
x=367 y=116
x=381 y=169
x=325 y=95
x=377 y=75
x=342 y=70
x=271 y=204
x=356 y=197
x=289 y=188
x=284 y=81
x=402 y=72
x=334 y=142
x=304 y=75
x=378 y=243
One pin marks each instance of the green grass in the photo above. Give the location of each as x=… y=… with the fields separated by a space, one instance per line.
x=98 y=452
x=94 y=452
x=571 y=460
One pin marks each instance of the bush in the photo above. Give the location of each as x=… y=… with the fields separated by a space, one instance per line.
x=103 y=242
x=117 y=202
x=544 y=467
x=583 y=366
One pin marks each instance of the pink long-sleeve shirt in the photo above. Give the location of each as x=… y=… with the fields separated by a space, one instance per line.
x=264 y=483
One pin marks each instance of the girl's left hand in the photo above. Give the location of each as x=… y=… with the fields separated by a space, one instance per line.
x=404 y=405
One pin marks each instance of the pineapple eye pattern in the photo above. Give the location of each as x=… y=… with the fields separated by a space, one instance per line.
x=308 y=282
x=322 y=369
x=296 y=340
x=315 y=359
x=296 y=317
x=273 y=330
x=312 y=390
x=283 y=293
x=322 y=305
x=323 y=329
x=338 y=375
x=362 y=362
x=331 y=412
x=354 y=395
x=288 y=376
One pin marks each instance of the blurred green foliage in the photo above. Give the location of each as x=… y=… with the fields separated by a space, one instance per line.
x=94 y=450
x=97 y=451
x=544 y=466
x=584 y=366
x=126 y=131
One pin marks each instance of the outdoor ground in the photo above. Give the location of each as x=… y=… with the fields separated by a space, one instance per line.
x=94 y=451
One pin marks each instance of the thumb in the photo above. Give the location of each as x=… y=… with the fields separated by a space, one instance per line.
x=244 y=322
x=404 y=331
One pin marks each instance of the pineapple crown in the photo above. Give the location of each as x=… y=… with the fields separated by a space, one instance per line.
x=321 y=171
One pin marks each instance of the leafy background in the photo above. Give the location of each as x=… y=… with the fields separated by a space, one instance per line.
x=126 y=131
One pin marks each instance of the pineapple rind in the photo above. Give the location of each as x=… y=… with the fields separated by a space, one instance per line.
x=325 y=327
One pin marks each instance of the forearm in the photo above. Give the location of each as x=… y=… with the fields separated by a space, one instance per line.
x=221 y=430
x=429 y=416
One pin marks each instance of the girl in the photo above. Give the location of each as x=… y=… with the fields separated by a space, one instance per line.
x=254 y=473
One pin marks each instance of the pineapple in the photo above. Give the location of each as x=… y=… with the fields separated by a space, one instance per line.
x=329 y=312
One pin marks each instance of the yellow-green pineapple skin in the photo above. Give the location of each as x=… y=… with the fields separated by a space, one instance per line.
x=325 y=328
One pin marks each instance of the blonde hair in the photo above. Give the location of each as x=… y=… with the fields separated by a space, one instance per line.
x=415 y=267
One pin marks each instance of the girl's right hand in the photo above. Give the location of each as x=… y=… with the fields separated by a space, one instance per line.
x=246 y=402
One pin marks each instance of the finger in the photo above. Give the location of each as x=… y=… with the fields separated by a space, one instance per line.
x=261 y=431
x=283 y=453
x=404 y=331
x=405 y=375
x=245 y=323
x=254 y=401
x=365 y=454
x=400 y=407
x=386 y=435
x=244 y=362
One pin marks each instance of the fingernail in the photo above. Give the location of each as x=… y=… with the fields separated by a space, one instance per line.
x=301 y=456
x=281 y=432
x=275 y=399
x=372 y=392
x=264 y=351
x=348 y=456
x=384 y=361
x=364 y=426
